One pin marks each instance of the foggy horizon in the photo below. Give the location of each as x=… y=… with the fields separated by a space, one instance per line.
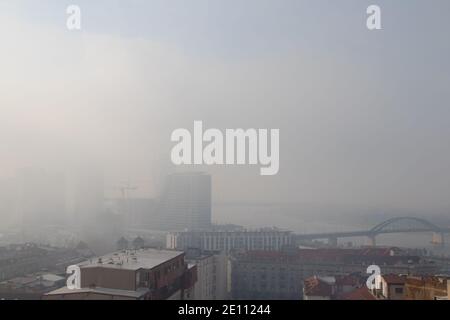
x=363 y=118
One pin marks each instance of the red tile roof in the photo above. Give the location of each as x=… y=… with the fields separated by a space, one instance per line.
x=362 y=293
x=394 y=279
x=314 y=286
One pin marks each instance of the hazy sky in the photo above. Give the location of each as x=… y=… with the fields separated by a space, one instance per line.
x=364 y=116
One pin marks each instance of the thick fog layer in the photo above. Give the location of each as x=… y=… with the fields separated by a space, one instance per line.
x=363 y=116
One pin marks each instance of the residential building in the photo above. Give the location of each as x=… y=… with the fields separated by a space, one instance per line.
x=426 y=288
x=392 y=287
x=18 y=260
x=448 y=290
x=212 y=271
x=280 y=274
x=186 y=202
x=30 y=287
x=144 y=274
x=227 y=241
x=361 y=294
x=329 y=288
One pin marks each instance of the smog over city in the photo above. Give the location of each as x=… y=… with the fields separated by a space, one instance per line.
x=138 y=134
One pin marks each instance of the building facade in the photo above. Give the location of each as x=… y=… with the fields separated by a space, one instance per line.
x=426 y=288
x=212 y=272
x=392 y=287
x=264 y=239
x=145 y=274
x=280 y=274
x=186 y=202
x=330 y=287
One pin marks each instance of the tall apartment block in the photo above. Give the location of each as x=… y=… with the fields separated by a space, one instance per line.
x=186 y=202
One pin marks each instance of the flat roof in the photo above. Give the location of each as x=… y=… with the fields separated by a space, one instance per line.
x=131 y=259
x=98 y=290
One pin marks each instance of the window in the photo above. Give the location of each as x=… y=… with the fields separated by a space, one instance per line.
x=398 y=290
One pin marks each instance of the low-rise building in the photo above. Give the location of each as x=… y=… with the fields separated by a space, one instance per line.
x=362 y=294
x=426 y=288
x=18 y=260
x=392 y=287
x=329 y=288
x=448 y=290
x=280 y=274
x=144 y=274
x=30 y=287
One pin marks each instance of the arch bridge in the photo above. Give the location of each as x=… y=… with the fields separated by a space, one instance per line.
x=394 y=225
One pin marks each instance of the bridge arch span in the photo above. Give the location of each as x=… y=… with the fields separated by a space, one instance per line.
x=419 y=223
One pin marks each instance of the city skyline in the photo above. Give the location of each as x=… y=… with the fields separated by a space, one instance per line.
x=369 y=106
x=242 y=151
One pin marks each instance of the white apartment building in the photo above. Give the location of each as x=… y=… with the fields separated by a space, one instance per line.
x=212 y=272
x=264 y=239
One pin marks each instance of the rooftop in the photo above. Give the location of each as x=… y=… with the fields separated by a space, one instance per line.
x=362 y=293
x=132 y=259
x=433 y=281
x=394 y=279
x=339 y=255
x=106 y=291
x=52 y=277
x=235 y=231
x=323 y=286
x=314 y=286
